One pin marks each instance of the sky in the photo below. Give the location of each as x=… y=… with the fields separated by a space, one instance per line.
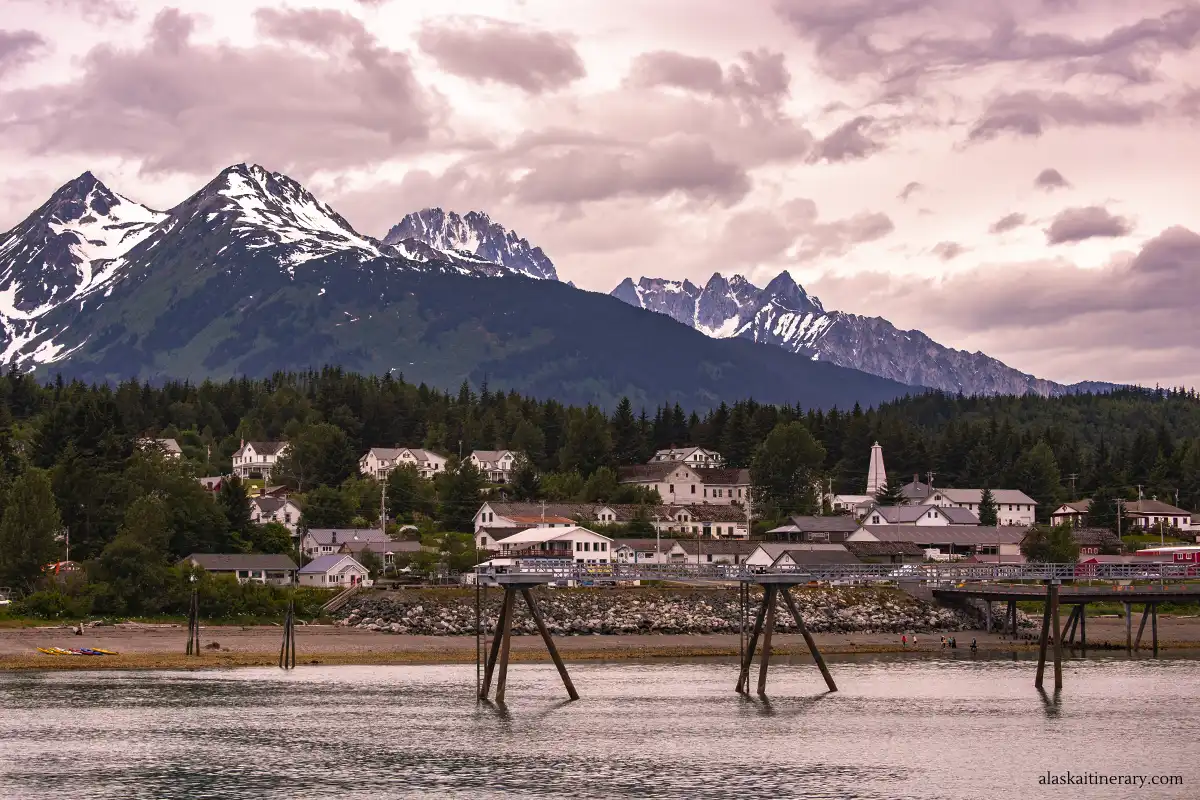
x=1012 y=176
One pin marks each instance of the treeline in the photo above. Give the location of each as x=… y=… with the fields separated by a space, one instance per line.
x=70 y=464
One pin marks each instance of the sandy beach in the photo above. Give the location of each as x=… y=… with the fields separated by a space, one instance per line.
x=147 y=647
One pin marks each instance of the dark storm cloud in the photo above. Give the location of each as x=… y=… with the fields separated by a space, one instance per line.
x=1077 y=224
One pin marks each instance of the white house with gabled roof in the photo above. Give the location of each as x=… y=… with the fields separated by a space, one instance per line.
x=578 y=544
x=378 y=462
x=257 y=458
x=1014 y=507
x=695 y=456
x=496 y=465
x=337 y=571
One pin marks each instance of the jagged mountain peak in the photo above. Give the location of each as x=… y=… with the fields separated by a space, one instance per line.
x=474 y=236
x=784 y=290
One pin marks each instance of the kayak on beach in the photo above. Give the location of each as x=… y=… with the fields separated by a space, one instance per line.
x=78 y=651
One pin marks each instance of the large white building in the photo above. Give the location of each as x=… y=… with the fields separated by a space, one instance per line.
x=692 y=456
x=1014 y=507
x=257 y=459
x=575 y=543
x=680 y=484
x=918 y=515
x=708 y=521
x=496 y=465
x=378 y=462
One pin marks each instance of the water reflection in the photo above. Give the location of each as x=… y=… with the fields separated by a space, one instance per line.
x=899 y=728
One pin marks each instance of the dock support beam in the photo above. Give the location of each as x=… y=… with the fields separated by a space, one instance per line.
x=743 y=684
x=1041 y=667
x=494 y=652
x=554 y=656
x=987 y=616
x=1057 y=638
x=193 y=643
x=1154 y=627
x=287 y=652
x=1012 y=616
x=764 y=661
x=808 y=639
x=1128 y=627
x=1082 y=622
x=1137 y=642
x=505 y=634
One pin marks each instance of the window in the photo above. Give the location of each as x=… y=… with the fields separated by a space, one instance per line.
x=739 y=492
x=694 y=489
x=587 y=546
x=710 y=558
x=672 y=488
x=604 y=546
x=875 y=519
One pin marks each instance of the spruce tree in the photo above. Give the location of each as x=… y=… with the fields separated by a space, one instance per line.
x=28 y=530
x=989 y=509
x=526 y=484
x=889 y=496
x=784 y=472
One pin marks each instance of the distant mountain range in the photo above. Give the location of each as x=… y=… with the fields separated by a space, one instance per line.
x=253 y=274
x=783 y=315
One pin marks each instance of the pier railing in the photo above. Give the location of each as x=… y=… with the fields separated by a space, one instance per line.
x=938 y=574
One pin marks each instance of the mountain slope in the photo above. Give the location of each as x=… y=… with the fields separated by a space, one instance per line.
x=474 y=240
x=252 y=274
x=784 y=315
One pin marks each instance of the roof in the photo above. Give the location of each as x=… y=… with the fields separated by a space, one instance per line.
x=263 y=448
x=908 y=515
x=992 y=558
x=644 y=544
x=652 y=473
x=325 y=563
x=534 y=535
x=728 y=547
x=1154 y=507
x=869 y=549
x=1095 y=537
x=500 y=533
x=169 y=445
x=212 y=483
x=268 y=504
x=774 y=549
x=569 y=510
x=972 y=496
x=947 y=534
x=915 y=490
x=708 y=512
x=490 y=456
x=800 y=554
x=1079 y=507
x=680 y=453
x=324 y=536
x=228 y=562
x=381 y=547
x=533 y=520
x=833 y=524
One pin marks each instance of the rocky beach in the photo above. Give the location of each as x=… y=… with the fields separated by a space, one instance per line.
x=581 y=612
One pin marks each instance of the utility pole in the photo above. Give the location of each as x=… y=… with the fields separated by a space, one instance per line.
x=1139 y=492
x=383 y=509
x=1120 y=508
x=929 y=477
x=657 y=543
x=1072 y=478
x=543 y=513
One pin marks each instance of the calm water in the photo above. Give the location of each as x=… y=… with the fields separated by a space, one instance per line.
x=956 y=729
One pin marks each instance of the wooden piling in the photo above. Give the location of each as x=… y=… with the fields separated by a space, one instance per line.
x=1012 y=614
x=1081 y=620
x=554 y=656
x=490 y=667
x=743 y=684
x=1057 y=638
x=769 y=627
x=193 y=644
x=505 y=639
x=1128 y=627
x=1067 y=631
x=808 y=639
x=1041 y=667
x=987 y=616
x=1137 y=642
x=1154 y=627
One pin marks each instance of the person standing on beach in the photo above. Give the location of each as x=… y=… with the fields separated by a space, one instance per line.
x=904 y=640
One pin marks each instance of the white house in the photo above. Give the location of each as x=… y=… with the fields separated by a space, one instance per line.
x=693 y=456
x=1151 y=513
x=1014 y=506
x=336 y=571
x=318 y=542
x=257 y=459
x=854 y=504
x=642 y=551
x=680 y=484
x=580 y=544
x=496 y=465
x=1074 y=513
x=379 y=461
x=801 y=555
x=265 y=508
x=918 y=515
x=386 y=552
x=716 y=521
x=721 y=551
x=276 y=570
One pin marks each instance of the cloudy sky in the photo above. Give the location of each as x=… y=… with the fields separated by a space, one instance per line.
x=1013 y=176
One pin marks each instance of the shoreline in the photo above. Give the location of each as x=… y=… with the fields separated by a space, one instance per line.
x=162 y=646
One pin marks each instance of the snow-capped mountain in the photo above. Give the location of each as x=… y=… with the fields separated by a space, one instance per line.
x=69 y=248
x=473 y=240
x=784 y=315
